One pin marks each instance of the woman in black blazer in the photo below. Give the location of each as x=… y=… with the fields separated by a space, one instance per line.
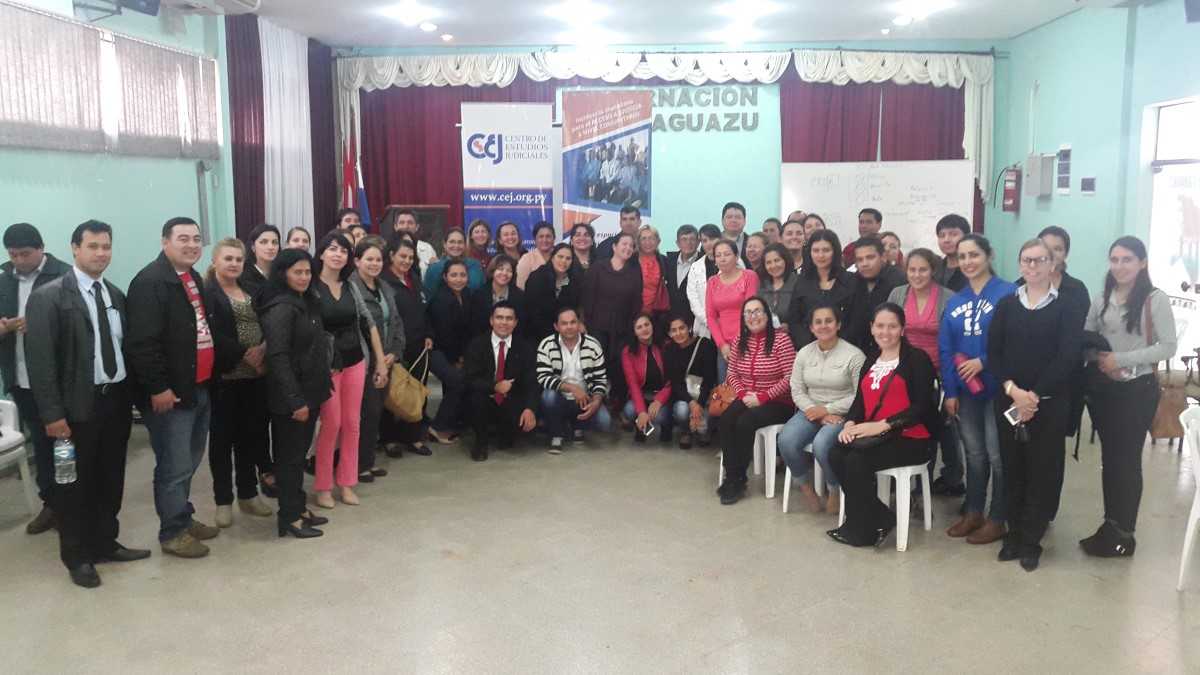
x=260 y=254
x=450 y=314
x=403 y=274
x=501 y=285
x=550 y=288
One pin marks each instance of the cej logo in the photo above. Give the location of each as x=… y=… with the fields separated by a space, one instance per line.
x=491 y=145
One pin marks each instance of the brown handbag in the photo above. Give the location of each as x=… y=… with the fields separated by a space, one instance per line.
x=406 y=394
x=662 y=299
x=722 y=397
x=1172 y=400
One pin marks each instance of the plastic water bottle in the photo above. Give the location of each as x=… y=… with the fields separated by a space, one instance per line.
x=64 y=461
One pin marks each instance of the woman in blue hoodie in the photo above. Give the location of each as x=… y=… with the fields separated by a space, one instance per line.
x=970 y=387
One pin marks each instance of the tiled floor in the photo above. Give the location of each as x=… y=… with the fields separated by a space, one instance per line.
x=612 y=558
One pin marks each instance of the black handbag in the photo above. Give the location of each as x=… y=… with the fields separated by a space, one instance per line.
x=867 y=442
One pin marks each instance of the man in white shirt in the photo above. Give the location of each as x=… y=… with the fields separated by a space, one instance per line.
x=571 y=372
x=406 y=221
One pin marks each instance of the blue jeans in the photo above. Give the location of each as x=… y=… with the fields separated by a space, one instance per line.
x=664 y=420
x=682 y=413
x=952 y=461
x=722 y=367
x=179 y=438
x=450 y=409
x=561 y=414
x=981 y=443
x=799 y=432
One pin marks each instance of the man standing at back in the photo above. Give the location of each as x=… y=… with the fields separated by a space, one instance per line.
x=28 y=267
x=950 y=230
x=679 y=263
x=631 y=221
x=406 y=221
x=875 y=281
x=733 y=228
x=870 y=222
x=171 y=350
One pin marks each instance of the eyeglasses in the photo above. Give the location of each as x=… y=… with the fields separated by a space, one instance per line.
x=1034 y=262
x=754 y=313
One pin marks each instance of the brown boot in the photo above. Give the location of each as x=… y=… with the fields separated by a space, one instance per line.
x=988 y=534
x=968 y=524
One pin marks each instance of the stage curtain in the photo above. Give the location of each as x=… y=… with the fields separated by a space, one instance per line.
x=324 y=136
x=921 y=122
x=246 y=120
x=825 y=122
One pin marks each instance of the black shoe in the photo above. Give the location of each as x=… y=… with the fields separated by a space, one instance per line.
x=882 y=534
x=379 y=473
x=44 y=522
x=1109 y=542
x=838 y=536
x=122 y=554
x=267 y=489
x=479 y=455
x=735 y=492
x=940 y=489
x=639 y=437
x=85 y=575
x=305 y=531
x=313 y=519
x=310 y=466
x=393 y=450
x=366 y=477
x=421 y=449
x=665 y=436
x=1009 y=550
x=1030 y=558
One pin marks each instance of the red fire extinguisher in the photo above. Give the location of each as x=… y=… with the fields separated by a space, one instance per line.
x=1012 y=190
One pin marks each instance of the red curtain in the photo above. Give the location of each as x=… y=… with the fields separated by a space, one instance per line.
x=246 y=121
x=325 y=155
x=921 y=122
x=822 y=122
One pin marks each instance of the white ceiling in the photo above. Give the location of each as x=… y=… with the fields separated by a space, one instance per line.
x=494 y=23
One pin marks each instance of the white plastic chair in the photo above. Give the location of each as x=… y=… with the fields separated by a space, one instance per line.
x=764 y=446
x=903 y=476
x=1191 y=431
x=818 y=480
x=12 y=451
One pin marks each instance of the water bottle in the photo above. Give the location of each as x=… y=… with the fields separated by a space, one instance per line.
x=64 y=461
x=973 y=385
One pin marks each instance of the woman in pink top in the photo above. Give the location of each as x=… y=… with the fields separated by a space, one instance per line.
x=723 y=298
x=543 y=242
x=923 y=302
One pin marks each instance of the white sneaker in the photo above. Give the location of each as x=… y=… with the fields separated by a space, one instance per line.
x=577 y=436
x=556 y=446
x=224 y=516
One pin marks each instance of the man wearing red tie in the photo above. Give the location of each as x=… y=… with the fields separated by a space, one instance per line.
x=502 y=387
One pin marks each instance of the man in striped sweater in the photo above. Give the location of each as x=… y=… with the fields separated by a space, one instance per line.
x=570 y=368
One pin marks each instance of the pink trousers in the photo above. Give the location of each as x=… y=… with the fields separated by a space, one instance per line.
x=340 y=414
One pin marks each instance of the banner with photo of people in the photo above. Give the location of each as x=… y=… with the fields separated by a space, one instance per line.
x=508 y=164
x=605 y=157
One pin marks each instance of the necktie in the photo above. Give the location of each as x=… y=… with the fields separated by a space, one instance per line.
x=498 y=397
x=107 y=353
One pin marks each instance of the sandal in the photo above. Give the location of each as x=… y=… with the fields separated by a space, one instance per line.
x=437 y=437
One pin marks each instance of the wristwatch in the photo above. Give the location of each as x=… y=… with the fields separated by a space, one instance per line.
x=1008 y=387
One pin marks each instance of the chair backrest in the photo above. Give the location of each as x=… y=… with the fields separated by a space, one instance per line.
x=1190 y=419
x=9 y=424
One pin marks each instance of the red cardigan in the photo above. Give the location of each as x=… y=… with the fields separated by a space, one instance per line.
x=635 y=376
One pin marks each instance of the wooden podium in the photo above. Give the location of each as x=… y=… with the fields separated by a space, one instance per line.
x=431 y=222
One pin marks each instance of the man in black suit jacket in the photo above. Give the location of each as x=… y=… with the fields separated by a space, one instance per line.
x=507 y=396
x=78 y=374
x=678 y=264
x=876 y=280
x=29 y=268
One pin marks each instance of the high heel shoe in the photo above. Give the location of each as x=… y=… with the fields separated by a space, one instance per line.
x=313 y=519
x=348 y=497
x=304 y=531
x=437 y=437
x=324 y=499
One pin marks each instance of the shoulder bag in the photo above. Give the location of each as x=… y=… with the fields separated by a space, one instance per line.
x=406 y=394
x=865 y=442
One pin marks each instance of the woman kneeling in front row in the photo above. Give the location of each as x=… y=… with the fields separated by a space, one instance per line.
x=889 y=425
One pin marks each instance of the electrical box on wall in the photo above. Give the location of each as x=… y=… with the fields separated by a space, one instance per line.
x=1039 y=178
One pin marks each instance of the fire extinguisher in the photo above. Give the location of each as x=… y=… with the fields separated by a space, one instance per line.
x=1012 y=190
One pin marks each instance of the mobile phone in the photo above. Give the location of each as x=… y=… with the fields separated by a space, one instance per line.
x=1013 y=416
x=649 y=429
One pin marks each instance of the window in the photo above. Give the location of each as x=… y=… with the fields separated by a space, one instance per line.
x=1178 y=133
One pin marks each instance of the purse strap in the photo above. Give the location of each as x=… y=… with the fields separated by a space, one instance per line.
x=693 y=359
x=423 y=355
x=886 y=383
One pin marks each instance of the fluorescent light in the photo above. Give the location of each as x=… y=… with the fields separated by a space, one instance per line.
x=447 y=37
x=886 y=31
x=428 y=27
x=409 y=12
x=920 y=9
x=902 y=20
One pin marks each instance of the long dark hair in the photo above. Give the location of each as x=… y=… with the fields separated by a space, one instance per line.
x=983 y=244
x=835 y=265
x=277 y=280
x=334 y=237
x=1142 y=288
x=782 y=252
x=635 y=345
x=414 y=273
x=496 y=237
x=744 y=332
x=257 y=232
x=898 y=311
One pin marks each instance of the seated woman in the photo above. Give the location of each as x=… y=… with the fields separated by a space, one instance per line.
x=500 y=287
x=550 y=288
x=890 y=424
x=642 y=361
x=449 y=316
x=687 y=356
x=824 y=381
x=760 y=363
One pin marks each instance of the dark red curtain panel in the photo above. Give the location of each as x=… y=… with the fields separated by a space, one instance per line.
x=325 y=153
x=822 y=122
x=246 y=121
x=921 y=122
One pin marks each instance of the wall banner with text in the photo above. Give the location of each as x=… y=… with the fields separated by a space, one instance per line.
x=508 y=165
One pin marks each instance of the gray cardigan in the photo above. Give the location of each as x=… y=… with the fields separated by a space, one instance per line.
x=1132 y=352
x=391 y=332
x=899 y=296
x=828 y=379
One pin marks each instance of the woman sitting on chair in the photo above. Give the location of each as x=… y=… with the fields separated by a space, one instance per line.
x=889 y=424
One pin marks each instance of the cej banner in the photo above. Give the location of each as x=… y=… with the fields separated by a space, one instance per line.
x=508 y=170
x=606 y=157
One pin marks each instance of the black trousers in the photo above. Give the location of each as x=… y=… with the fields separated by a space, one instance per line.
x=292 y=440
x=613 y=343
x=856 y=469
x=1122 y=412
x=239 y=429
x=43 y=445
x=1033 y=469
x=87 y=509
x=738 y=425
x=368 y=425
x=505 y=417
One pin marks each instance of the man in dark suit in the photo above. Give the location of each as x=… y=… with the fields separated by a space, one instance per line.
x=679 y=263
x=502 y=388
x=29 y=267
x=78 y=374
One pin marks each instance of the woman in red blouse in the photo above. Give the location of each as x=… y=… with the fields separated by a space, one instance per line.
x=723 y=297
x=897 y=409
x=760 y=370
x=649 y=389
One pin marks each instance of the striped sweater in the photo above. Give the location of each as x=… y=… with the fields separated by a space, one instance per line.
x=591 y=360
x=767 y=376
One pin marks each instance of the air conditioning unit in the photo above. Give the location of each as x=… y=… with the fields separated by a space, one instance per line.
x=214 y=7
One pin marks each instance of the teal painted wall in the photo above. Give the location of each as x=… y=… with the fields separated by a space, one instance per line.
x=56 y=191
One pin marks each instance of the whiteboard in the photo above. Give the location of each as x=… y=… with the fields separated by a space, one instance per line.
x=912 y=196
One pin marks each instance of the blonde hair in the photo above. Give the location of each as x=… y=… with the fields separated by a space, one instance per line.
x=230 y=242
x=650 y=229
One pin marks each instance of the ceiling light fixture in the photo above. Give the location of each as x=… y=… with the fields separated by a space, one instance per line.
x=886 y=31
x=428 y=27
x=409 y=12
x=902 y=20
x=447 y=37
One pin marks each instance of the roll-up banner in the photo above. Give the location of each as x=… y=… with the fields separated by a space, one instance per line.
x=508 y=164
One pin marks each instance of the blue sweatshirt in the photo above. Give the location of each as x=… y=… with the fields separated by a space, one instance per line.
x=964 y=330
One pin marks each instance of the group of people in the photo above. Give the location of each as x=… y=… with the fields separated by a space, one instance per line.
x=569 y=336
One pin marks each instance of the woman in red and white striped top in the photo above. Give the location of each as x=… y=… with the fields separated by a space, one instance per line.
x=760 y=369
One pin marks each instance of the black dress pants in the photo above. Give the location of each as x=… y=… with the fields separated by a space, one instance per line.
x=368 y=425
x=1122 y=413
x=855 y=469
x=1033 y=469
x=736 y=433
x=292 y=440
x=239 y=438
x=485 y=412
x=43 y=445
x=87 y=509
